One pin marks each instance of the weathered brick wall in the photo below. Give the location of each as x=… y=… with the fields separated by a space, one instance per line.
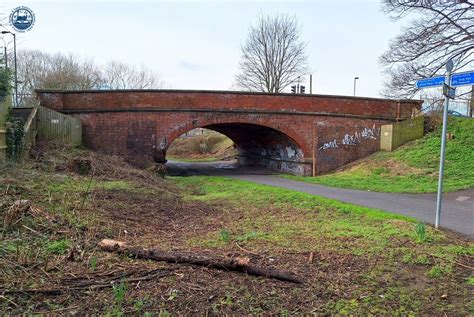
x=343 y=142
x=218 y=100
x=150 y=134
x=277 y=130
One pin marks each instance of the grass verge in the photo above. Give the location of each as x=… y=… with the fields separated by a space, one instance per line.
x=412 y=168
x=403 y=260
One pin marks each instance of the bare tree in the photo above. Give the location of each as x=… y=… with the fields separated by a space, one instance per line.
x=273 y=56
x=37 y=69
x=440 y=30
x=117 y=75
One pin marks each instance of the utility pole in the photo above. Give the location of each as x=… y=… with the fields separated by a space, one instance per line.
x=311 y=84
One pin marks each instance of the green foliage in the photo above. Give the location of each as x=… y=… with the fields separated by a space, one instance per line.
x=224 y=235
x=263 y=218
x=417 y=163
x=139 y=304
x=246 y=237
x=420 y=230
x=439 y=271
x=14 y=138
x=119 y=291
x=5 y=83
x=380 y=171
x=214 y=188
x=93 y=263
x=59 y=247
x=470 y=280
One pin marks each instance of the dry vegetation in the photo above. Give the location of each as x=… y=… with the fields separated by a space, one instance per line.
x=208 y=146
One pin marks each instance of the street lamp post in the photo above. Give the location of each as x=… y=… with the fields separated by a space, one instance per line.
x=16 y=67
x=355 y=79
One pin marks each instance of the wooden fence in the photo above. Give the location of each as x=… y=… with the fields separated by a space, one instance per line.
x=54 y=125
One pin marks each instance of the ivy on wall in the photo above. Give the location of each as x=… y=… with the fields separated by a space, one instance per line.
x=14 y=138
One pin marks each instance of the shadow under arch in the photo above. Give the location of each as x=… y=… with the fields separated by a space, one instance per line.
x=259 y=145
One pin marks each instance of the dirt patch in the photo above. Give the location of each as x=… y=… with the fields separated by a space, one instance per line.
x=374 y=165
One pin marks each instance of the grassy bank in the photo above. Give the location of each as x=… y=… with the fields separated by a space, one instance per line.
x=412 y=168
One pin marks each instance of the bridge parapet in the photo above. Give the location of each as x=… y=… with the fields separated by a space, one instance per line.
x=226 y=101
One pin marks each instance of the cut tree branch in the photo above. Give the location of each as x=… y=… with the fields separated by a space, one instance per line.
x=236 y=264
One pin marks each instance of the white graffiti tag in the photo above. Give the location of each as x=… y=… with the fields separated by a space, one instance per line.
x=354 y=139
x=329 y=145
x=369 y=133
x=350 y=139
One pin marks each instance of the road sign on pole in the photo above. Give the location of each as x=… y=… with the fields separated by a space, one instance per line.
x=462 y=79
x=459 y=79
x=430 y=82
x=448 y=82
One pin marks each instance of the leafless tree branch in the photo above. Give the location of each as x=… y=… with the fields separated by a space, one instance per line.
x=441 y=30
x=37 y=69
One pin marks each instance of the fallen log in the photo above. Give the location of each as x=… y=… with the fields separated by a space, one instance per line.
x=236 y=264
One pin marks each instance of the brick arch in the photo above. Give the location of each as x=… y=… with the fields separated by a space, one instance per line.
x=288 y=131
x=256 y=144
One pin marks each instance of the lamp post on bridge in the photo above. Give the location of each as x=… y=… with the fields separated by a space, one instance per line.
x=355 y=80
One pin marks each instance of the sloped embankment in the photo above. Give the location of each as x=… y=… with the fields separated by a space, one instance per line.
x=412 y=168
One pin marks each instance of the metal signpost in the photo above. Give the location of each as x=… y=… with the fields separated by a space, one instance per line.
x=448 y=82
x=449 y=68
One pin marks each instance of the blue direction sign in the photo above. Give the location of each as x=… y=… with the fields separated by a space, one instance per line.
x=462 y=79
x=430 y=82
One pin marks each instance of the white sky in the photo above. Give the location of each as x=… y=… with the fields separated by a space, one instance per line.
x=196 y=44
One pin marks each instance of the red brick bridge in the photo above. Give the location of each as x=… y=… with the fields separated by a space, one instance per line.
x=285 y=132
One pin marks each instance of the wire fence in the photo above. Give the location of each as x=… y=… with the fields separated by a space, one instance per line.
x=461 y=107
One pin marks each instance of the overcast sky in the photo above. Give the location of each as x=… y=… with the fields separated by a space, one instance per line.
x=196 y=44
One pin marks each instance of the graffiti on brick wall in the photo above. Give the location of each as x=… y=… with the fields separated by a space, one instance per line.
x=353 y=139
x=329 y=145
